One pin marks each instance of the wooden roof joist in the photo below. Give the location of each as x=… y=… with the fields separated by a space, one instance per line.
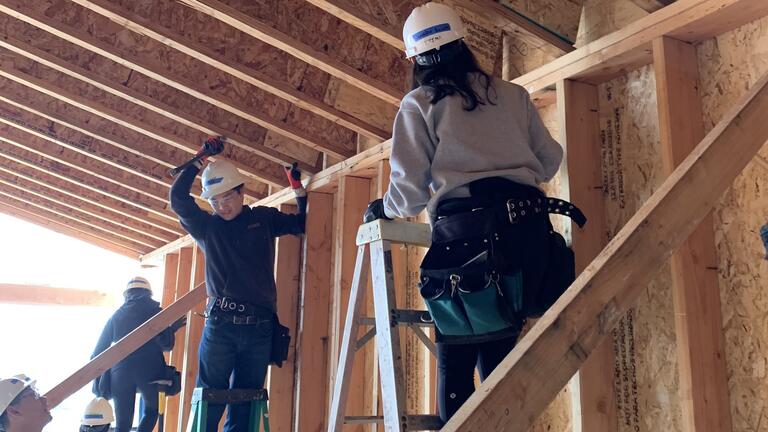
x=249 y=163
x=62 y=227
x=141 y=229
x=71 y=212
x=145 y=65
x=142 y=25
x=630 y=47
x=353 y=15
x=70 y=189
x=265 y=32
x=76 y=225
x=86 y=180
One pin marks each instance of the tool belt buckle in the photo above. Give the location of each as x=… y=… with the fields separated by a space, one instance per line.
x=239 y=319
x=513 y=211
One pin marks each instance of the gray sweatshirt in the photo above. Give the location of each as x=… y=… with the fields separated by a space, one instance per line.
x=441 y=148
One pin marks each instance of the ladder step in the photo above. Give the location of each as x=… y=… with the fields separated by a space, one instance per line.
x=405 y=317
x=415 y=422
x=228 y=396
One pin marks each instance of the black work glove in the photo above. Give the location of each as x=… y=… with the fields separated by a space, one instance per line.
x=375 y=211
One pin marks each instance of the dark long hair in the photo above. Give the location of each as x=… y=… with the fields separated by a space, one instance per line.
x=449 y=74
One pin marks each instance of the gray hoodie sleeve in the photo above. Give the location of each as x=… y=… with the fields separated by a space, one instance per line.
x=411 y=159
x=547 y=150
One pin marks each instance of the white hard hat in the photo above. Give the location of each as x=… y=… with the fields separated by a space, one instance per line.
x=431 y=26
x=11 y=387
x=219 y=177
x=138 y=282
x=98 y=413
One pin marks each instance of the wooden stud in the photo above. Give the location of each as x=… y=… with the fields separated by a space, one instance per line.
x=580 y=130
x=698 y=321
x=312 y=344
x=352 y=199
x=192 y=337
x=282 y=381
x=45 y=295
x=630 y=47
x=527 y=380
x=183 y=279
x=268 y=34
x=170 y=274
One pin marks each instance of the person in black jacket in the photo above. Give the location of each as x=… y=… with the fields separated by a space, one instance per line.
x=239 y=244
x=136 y=372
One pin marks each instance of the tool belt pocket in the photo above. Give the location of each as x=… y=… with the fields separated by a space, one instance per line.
x=468 y=301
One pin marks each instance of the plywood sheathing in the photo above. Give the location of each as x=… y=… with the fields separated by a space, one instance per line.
x=559 y=16
x=602 y=17
x=728 y=65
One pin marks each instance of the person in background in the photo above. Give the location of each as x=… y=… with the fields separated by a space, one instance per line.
x=97 y=417
x=22 y=408
x=138 y=370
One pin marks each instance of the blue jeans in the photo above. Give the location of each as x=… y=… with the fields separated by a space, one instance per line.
x=125 y=384
x=233 y=356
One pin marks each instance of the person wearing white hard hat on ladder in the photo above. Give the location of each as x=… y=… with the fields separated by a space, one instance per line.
x=139 y=370
x=22 y=408
x=472 y=150
x=239 y=245
x=97 y=416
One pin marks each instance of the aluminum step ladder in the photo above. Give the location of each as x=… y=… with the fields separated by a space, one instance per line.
x=374 y=241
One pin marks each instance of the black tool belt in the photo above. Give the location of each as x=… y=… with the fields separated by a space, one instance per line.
x=238 y=311
x=483 y=221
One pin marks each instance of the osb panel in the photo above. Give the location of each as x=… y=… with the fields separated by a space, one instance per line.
x=326 y=33
x=557 y=416
x=193 y=73
x=560 y=16
x=390 y=12
x=602 y=17
x=728 y=66
x=520 y=55
x=360 y=104
x=645 y=372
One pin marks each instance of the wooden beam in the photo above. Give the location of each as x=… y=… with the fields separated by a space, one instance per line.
x=510 y=20
x=651 y=6
x=146 y=66
x=155 y=193
x=353 y=15
x=577 y=103
x=143 y=26
x=81 y=222
x=45 y=295
x=79 y=211
x=243 y=160
x=630 y=47
x=72 y=191
x=312 y=344
x=192 y=336
x=34 y=151
x=56 y=223
x=527 y=379
x=189 y=120
x=74 y=202
x=282 y=381
x=352 y=199
x=321 y=60
x=125 y=346
x=704 y=391
x=183 y=279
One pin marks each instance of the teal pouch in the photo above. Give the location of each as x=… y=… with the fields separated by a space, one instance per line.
x=447 y=311
x=485 y=309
